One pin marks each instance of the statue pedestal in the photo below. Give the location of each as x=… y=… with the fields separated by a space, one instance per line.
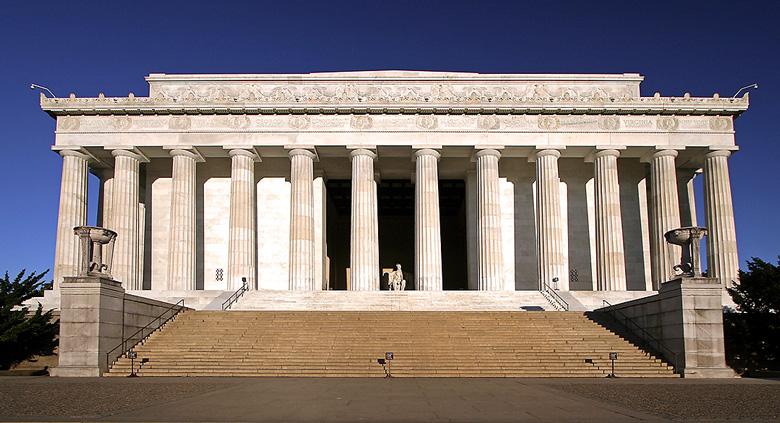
x=91 y=323
x=694 y=326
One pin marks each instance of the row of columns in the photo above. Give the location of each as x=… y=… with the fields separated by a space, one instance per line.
x=364 y=252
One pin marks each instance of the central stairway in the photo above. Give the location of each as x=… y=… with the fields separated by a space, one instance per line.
x=424 y=343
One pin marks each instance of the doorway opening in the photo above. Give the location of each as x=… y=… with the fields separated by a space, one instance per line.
x=395 y=208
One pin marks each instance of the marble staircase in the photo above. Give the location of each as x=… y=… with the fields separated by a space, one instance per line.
x=424 y=343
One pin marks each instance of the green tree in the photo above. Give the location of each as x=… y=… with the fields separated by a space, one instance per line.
x=753 y=334
x=24 y=334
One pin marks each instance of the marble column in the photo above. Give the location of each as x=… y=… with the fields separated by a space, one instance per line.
x=181 y=241
x=490 y=267
x=125 y=219
x=610 y=257
x=106 y=193
x=364 y=239
x=664 y=215
x=72 y=213
x=549 y=232
x=687 y=198
x=427 y=225
x=302 y=221
x=722 y=256
x=242 y=251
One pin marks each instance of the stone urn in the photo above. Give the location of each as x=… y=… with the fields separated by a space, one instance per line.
x=97 y=250
x=689 y=238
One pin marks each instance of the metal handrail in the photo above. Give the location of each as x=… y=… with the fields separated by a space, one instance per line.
x=554 y=298
x=179 y=305
x=236 y=295
x=646 y=336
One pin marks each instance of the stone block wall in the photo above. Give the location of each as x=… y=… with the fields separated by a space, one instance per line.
x=686 y=317
x=96 y=315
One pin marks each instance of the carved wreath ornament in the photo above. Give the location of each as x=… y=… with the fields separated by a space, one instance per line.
x=120 y=123
x=360 y=122
x=609 y=123
x=720 y=123
x=299 y=122
x=488 y=122
x=426 y=121
x=239 y=122
x=549 y=123
x=179 y=123
x=667 y=123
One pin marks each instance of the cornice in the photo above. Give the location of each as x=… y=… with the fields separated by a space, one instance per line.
x=152 y=106
x=394 y=92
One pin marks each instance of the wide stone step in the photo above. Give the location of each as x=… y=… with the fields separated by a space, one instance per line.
x=425 y=343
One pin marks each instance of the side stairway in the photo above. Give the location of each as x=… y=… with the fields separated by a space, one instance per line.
x=424 y=343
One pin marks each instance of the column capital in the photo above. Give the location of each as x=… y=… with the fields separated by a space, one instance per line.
x=75 y=153
x=303 y=152
x=548 y=152
x=362 y=152
x=718 y=153
x=246 y=152
x=128 y=152
x=427 y=152
x=487 y=152
x=603 y=151
x=189 y=152
x=664 y=153
x=606 y=152
x=658 y=152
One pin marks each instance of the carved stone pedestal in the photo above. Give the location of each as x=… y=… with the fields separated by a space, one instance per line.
x=693 y=326
x=91 y=324
x=686 y=317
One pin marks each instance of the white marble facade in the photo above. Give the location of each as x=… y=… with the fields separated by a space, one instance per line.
x=212 y=178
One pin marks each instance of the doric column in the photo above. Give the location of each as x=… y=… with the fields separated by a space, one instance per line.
x=665 y=215
x=181 y=242
x=302 y=220
x=242 y=253
x=549 y=232
x=722 y=256
x=72 y=213
x=364 y=239
x=490 y=265
x=427 y=225
x=610 y=258
x=106 y=195
x=124 y=217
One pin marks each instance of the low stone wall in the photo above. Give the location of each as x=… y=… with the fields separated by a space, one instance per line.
x=96 y=315
x=686 y=317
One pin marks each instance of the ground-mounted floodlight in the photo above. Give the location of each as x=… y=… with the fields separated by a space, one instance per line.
x=612 y=357
x=42 y=89
x=385 y=362
x=132 y=355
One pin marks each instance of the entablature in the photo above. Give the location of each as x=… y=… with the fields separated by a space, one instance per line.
x=488 y=106
x=394 y=92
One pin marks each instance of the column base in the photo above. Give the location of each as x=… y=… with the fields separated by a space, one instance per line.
x=709 y=373
x=75 y=371
x=91 y=320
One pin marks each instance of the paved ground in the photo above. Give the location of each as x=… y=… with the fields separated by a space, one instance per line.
x=396 y=400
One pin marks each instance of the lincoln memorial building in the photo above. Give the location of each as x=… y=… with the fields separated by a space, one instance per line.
x=326 y=181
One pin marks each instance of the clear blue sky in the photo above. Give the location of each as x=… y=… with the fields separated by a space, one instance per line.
x=89 y=47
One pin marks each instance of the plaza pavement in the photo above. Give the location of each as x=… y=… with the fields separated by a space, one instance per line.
x=390 y=400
